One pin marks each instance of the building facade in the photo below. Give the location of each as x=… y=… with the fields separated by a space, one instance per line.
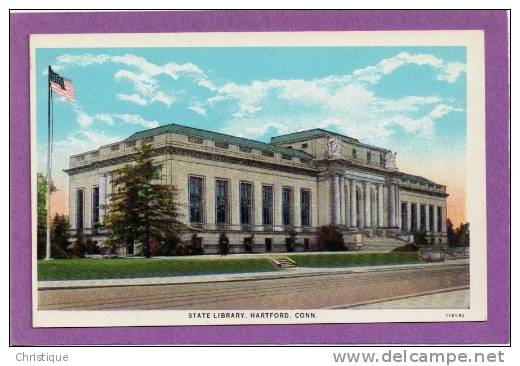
x=299 y=181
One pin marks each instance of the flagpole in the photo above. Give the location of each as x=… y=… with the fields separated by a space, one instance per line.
x=49 y=166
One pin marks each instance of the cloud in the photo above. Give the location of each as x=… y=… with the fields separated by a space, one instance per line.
x=198 y=108
x=135 y=119
x=134 y=98
x=448 y=72
x=144 y=77
x=86 y=120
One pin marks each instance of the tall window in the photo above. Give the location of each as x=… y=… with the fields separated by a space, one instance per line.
x=305 y=205
x=267 y=205
x=222 y=201
x=413 y=214
x=95 y=206
x=369 y=156
x=423 y=217
x=246 y=203
x=287 y=198
x=79 y=209
x=439 y=218
x=196 y=197
x=404 y=216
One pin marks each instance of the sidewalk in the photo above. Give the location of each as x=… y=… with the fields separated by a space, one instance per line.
x=283 y=273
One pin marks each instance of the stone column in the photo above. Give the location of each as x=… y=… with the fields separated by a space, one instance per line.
x=342 y=200
x=234 y=207
x=434 y=228
x=397 y=208
x=427 y=217
x=257 y=206
x=347 y=203
x=367 y=218
x=336 y=200
x=418 y=216
x=392 y=205
x=380 y=206
x=353 y=204
x=409 y=216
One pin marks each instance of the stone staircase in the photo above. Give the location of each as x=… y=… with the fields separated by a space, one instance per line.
x=283 y=262
x=381 y=243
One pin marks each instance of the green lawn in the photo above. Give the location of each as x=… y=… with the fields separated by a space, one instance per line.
x=85 y=269
x=355 y=259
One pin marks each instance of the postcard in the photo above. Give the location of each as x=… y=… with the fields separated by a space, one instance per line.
x=258 y=178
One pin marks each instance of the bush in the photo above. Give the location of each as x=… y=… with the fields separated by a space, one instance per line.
x=223 y=244
x=290 y=241
x=411 y=247
x=196 y=247
x=329 y=238
x=420 y=238
x=91 y=246
x=248 y=243
x=78 y=248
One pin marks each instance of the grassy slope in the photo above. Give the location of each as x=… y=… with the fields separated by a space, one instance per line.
x=82 y=269
x=355 y=259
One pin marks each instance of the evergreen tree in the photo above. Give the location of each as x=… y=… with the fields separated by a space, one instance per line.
x=60 y=236
x=141 y=209
x=450 y=232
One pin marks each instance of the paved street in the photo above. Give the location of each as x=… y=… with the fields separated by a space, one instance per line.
x=312 y=291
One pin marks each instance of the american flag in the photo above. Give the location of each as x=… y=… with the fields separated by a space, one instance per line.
x=63 y=87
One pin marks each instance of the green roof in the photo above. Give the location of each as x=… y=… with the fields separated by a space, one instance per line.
x=303 y=135
x=417 y=179
x=216 y=136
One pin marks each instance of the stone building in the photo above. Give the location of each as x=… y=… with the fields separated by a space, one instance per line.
x=298 y=181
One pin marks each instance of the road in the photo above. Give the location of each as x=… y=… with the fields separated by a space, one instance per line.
x=309 y=292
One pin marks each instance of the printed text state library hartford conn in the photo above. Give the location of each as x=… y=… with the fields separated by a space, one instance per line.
x=299 y=181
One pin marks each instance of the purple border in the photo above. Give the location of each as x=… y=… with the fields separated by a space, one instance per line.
x=494 y=331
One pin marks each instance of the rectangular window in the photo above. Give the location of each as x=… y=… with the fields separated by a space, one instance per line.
x=423 y=217
x=306 y=244
x=95 y=206
x=305 y=205
x=354 y=153
x=404 y=216
x=439 y=219
x=221 y=145
x=148 y=140
x=195 y=140
x=245 y=149
x=304 y=146
x=287 y=206
x=286 y=157
x=79 y=209
x=268 y=154
x=222 y=201
x=369 y=156
x=246 y=203
x=382 y=159
x=268 y=244
x=431 y=223
x=413 y=213
x=267 y=205
x=196 y=199
x=131 y=144
x=114 y=147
